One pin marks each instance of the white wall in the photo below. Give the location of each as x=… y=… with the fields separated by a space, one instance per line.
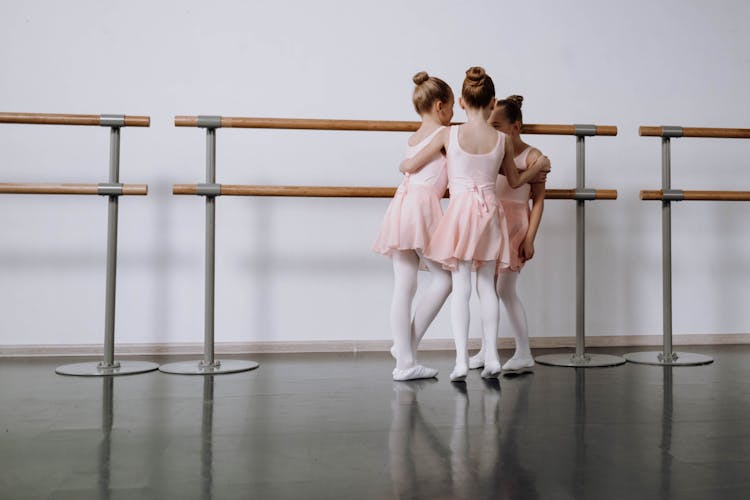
x=302 y=269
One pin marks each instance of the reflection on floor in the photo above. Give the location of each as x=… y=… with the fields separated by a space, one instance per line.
x=336 y=426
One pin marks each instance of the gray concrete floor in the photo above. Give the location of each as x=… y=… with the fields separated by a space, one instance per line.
x=335 y=426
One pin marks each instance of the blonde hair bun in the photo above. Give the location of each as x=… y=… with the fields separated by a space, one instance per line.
x=420 y=78
x=476 y=75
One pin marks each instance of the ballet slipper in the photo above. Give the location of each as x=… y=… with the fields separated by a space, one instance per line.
x=519 y=363
x=492 y=370
x=414 y=373
x=476 y=361
x=459 y=373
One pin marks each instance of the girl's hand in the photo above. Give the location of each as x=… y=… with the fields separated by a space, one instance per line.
x=541 y=165
x=527 y=250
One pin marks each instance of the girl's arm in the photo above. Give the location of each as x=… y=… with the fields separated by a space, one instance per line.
x=515 y=178
x=415 y=163
x=538 y=188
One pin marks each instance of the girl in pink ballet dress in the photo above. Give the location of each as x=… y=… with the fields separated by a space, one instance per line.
x=409 y=222
x=470 y=235
x=522 y=225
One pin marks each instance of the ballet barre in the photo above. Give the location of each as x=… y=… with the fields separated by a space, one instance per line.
x=667 y=195
x=112 y=189
x=346 y=191
x=210 y=189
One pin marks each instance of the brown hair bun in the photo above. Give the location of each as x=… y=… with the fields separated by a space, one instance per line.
x=515 y=99
x=420 y=78
x=478 y=89
x=475 y=75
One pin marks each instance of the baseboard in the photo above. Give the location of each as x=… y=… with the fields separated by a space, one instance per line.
x=357 y=345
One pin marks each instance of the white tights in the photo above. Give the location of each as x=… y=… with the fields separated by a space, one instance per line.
x=506 y=290
x=460 y=312
x=407 y=334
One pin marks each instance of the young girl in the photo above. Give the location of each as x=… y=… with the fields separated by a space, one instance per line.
x=469 y=235
x=522 y=226
x=408 y=225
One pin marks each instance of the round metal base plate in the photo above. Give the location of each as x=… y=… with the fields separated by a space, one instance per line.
x=677 y=358
x=219 y=367
x=92 y=369
x=585 y=361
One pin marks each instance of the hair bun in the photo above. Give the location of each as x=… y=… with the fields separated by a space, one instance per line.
x=476 y=75
x=515 y=99
x=420 y=78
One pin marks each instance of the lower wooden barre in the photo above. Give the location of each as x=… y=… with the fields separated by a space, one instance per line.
x=67 y=119
x=658 y=195
x=352 y=191
x=87 y=189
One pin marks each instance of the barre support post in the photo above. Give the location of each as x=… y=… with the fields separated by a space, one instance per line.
x=209 y=365
x=581 y=359
x=667 y=357
x=109 y=366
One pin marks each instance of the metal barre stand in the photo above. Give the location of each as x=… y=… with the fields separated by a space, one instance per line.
x=667 y=357
x=113 y=189
x=209 y=365
x=581 y=359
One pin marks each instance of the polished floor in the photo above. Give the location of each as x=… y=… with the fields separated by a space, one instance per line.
x=334 y=426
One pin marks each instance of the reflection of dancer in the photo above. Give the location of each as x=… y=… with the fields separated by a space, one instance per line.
x=408 y=433
x=408 y=225
x=522 y=225
x=469 y=236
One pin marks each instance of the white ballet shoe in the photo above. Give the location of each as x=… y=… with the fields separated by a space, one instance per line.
x=492 y=370
x=459 y=373
x=414 y=373
x=476 y=361
x=518 y=363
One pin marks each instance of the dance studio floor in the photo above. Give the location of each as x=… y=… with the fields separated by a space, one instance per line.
x=328 y=426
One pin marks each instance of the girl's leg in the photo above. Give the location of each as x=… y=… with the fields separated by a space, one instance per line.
x=431 y=302
x=489 y=307
x=405 y=267
x=506 y=288
x=460 y=317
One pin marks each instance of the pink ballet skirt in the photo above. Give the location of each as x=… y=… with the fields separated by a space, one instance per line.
x=471 y=230
x=410 y=220
x=472 y=227
x=415 y=211
x=517 y=225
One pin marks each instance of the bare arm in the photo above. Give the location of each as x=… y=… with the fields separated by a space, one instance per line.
x=515 y=177
x=418 y=161
x=537 y=208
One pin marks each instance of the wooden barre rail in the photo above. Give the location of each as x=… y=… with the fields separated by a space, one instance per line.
x=365 y=125
x=351 y=191
x=65 y=119
x=44 y=188
x=658 y=195
x=725 y=133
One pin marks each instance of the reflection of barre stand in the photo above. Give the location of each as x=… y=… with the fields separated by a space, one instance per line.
x=666 y=196
x=207 y=439
x=581 y=194
x=112 y=189
x=105 y=449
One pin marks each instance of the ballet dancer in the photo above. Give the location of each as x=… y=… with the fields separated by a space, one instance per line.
x=522 y=225
x=409 y=222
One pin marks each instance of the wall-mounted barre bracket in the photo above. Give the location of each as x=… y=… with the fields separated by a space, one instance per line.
x=673 y=195
x=112 y=120
x=208 y=189
x=584 y=130
x=209 y=121
x=585 y=194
